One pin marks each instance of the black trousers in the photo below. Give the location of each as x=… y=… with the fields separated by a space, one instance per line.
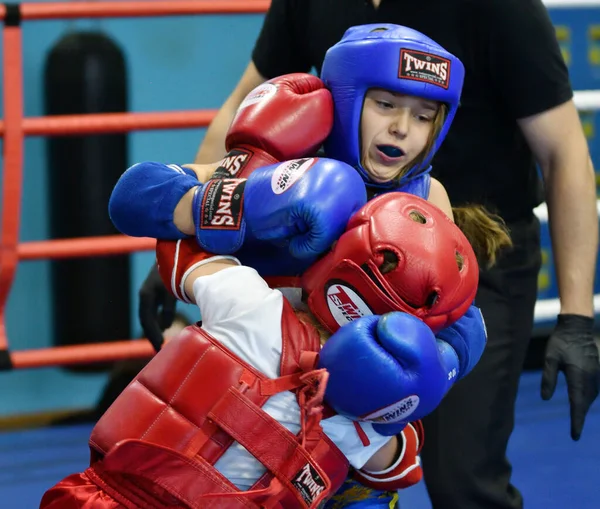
x=464 y=455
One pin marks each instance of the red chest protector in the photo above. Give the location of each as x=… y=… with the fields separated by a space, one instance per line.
x=160 y=439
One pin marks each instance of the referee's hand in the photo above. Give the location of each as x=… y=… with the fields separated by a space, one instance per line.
x=571 y=349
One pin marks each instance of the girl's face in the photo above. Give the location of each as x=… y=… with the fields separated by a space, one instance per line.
x=394 y=130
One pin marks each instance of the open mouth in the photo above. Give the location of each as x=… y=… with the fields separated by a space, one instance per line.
x=390 y=151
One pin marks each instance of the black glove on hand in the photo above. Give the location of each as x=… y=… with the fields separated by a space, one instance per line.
x=571 y=349
x=154 y=297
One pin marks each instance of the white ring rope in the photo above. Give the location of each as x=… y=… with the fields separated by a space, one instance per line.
x=571 y=4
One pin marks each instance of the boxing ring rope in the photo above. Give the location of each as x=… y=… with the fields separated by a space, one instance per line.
x=15 y=127
x=99 y=123
x=70 y=10
x=570 y=4
x=82 y=247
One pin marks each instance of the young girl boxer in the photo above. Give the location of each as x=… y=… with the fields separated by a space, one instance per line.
x=396 y=93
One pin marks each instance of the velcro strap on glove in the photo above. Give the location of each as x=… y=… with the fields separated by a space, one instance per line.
x=218 y=211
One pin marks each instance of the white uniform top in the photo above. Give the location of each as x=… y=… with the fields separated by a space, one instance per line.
x=240 y=311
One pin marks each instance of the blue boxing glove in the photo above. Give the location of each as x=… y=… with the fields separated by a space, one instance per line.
x=306 y=202
x=144 y=199
x=388 y=370
x=273 y=259
x=467 y=337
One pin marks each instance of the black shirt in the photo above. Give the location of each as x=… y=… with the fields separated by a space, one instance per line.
x=514 y=69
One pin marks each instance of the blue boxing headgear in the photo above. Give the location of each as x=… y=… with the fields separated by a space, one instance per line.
x=393 y=58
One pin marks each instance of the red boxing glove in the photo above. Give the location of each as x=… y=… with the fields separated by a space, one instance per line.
x=176 y=259
x=406 y=470
x=287 y=117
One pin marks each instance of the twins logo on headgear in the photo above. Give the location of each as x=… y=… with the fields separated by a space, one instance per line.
x=433 y=273
x=394 y=58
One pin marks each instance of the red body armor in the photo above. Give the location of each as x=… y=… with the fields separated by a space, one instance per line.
x=157 y=444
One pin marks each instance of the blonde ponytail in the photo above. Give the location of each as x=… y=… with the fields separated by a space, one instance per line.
x=486 y=232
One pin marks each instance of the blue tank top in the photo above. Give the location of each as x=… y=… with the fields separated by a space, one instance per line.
x=418 y=186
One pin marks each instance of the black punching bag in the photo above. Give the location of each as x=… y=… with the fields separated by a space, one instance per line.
x=85 y=73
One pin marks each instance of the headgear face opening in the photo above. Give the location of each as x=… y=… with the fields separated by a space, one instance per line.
x=393 y=58
x=435 y=278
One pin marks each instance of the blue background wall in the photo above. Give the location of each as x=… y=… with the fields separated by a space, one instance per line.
x=174 y=64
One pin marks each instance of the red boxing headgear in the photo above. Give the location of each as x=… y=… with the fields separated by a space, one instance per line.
x=435 y=278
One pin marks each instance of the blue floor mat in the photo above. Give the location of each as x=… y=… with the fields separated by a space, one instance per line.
x=551 y=471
